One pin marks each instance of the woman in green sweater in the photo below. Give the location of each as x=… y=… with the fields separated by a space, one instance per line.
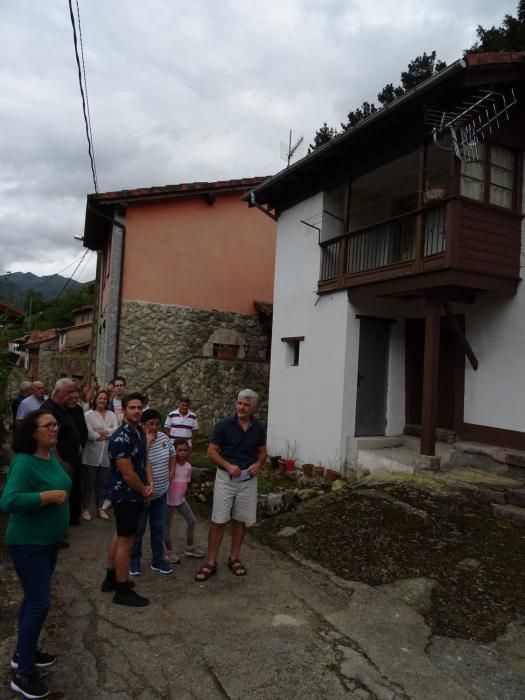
x=36 y=498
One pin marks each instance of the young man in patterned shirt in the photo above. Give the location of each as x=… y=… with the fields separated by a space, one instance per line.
x=131 y=485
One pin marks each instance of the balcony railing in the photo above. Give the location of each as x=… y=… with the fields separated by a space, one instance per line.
x=388 y=243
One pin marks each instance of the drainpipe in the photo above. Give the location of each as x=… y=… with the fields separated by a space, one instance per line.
x=113 y=308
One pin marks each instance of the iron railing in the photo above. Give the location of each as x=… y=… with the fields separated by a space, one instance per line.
x=387 y=243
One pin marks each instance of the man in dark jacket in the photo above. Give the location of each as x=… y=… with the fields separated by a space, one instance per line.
x=70 y=435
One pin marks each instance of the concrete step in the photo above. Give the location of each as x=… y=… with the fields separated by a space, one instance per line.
x=379 y=442
x=393 y=459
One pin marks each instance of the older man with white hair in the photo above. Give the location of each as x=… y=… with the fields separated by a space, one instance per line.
x=238 y=448
x=69 y=443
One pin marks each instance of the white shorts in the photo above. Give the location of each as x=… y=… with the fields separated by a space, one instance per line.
x=234 y=499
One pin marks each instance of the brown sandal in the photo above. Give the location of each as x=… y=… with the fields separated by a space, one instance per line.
x=237 y=568
x=205 y=572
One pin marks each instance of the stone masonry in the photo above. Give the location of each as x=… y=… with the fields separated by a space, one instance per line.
x=156 y=339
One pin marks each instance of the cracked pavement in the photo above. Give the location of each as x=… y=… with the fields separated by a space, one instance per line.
x=289 y=629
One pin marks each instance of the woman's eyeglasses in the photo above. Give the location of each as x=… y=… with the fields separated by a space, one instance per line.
x=52 y=425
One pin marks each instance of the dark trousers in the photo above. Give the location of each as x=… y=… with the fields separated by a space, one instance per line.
x=93 y=478
x=75 y=495
x=34 y=565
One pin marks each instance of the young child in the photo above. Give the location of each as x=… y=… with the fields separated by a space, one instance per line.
x=177 y=501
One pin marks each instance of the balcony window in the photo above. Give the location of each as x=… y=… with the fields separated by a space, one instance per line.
x=491 y=177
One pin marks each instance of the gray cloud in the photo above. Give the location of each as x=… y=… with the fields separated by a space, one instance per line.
x=187 y=91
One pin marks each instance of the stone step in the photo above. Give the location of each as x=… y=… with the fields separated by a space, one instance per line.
x=514 y=514
x=497 y=460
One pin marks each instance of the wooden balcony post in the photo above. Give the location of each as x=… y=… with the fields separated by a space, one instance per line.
x=430 y=377
x=420 y=218
x=341 y=263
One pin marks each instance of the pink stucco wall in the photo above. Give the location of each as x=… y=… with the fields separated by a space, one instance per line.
x=187 y=252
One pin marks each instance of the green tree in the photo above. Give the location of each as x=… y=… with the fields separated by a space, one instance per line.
x=323 y=135
x=58 y=312
x=510 y=36
x=359 y=114
x=419 y=69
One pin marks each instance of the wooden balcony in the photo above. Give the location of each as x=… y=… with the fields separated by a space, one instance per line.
x=454 y=243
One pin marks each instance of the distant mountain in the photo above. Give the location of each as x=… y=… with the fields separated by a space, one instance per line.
x=15 y=285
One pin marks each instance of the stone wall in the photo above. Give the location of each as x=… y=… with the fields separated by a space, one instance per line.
x=53 y=364
x=179 y=342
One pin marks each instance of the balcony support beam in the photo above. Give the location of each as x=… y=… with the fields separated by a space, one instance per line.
x=430 y=376
x=460 y=335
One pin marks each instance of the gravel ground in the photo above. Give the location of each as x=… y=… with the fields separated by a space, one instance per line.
x=383 y=532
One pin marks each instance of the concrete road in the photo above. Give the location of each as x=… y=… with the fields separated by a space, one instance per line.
x=287 y=630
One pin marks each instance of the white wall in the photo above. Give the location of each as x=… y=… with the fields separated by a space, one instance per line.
x=306 y=402
x=495 y=328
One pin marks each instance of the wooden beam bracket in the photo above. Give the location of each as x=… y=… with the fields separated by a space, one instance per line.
x=460 y=334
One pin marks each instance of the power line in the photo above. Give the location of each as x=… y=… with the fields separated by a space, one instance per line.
x=91 y=253
x=70 y=278
x=85 y=88
x=86 y=122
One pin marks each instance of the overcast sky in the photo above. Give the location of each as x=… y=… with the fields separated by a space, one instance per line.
x=185 y=91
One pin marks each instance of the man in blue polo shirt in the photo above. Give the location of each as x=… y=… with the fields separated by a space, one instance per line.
x=238 y=448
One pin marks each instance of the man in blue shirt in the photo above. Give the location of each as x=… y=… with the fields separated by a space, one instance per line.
x=238 y=448
x=131 y=484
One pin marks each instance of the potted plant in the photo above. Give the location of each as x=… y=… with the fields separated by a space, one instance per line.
x=331 y=474
x=274 y=461
x=308 y=469
x=319 y=470
x=290 y=456
x=433 y=193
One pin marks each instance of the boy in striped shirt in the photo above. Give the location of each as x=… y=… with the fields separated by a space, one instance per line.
x=161 y=457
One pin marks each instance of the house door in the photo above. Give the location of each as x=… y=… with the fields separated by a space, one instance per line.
x=372 y=377
x=451 y=374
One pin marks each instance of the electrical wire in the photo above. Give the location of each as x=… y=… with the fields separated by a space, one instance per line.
x=86 y=90
x=90 y=144
x=70 y=278
x=91 y=253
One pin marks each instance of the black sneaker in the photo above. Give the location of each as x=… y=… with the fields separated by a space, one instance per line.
x=130 y=597
x=109 y=584
x=31 y=686
x=42 y=659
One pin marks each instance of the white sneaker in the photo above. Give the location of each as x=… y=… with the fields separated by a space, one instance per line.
x=194 y=551
x=85 y=515
x=173 y=558
x=107 y=504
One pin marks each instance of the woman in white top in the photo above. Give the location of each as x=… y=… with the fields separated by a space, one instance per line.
x=95 y=463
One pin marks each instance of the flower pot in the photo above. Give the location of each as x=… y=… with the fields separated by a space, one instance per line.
x=434 y=194
x=274 y=461
x=308 y=469
x=331 y=475
x=319 y=471
x=290 y=465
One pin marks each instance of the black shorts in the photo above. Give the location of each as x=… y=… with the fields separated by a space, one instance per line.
x=127 y=517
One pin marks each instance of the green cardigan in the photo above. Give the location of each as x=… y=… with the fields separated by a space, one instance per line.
x=29 y=521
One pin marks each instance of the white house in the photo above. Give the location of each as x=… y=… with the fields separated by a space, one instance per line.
x=397 y=303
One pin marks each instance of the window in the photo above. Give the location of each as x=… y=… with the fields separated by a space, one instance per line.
x=225 y=351
x=293 y=345
x=501 y=176
x=491 y=177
